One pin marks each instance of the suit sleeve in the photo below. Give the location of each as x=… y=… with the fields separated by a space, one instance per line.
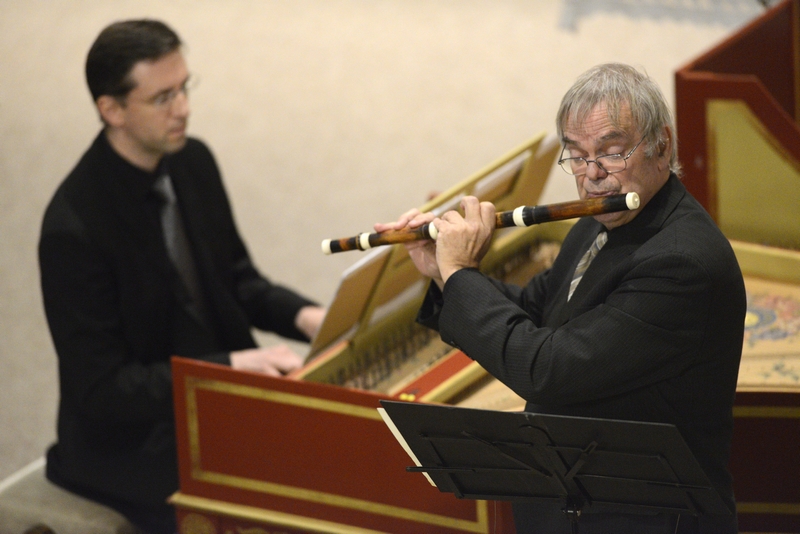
x=530 y=300
x=99 y=377
x=113 y=367
x=601 y=351
x=268 y=306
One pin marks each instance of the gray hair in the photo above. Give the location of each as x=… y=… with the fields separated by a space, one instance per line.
x=620 y=87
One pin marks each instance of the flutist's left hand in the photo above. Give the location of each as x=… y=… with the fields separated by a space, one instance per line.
x=463 y=241
x=422 y=253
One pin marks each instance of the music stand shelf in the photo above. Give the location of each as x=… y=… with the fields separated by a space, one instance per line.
x=586 y=464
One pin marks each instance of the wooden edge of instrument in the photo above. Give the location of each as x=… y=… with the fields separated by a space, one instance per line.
x=467 y=184
x=763 y=261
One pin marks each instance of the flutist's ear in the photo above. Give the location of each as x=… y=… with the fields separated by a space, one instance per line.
x=663 y=142
x=665 y=148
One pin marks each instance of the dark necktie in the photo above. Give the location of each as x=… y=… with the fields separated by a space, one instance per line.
x=587 y=258
x=177 y=243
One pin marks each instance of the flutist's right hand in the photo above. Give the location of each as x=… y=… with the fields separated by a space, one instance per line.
x=422 y=253
x=464 y=240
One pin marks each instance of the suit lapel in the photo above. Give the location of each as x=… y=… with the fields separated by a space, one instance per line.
x=122 y=195
x=622 y=242
x=559 y=308
x=225 y=310
x=191 y=211
x=614 y=253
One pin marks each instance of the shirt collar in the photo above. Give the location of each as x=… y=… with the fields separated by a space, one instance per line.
x=654 y=214
x=133 y=178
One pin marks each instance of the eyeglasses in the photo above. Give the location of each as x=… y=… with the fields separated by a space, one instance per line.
x=610 y=163
x=165 y=99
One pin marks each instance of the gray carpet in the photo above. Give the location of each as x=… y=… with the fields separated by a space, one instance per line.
x=325 y=115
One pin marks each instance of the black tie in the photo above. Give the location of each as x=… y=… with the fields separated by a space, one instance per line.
x=177 y=243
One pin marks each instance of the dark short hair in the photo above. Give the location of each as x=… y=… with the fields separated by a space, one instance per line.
x=119 y=47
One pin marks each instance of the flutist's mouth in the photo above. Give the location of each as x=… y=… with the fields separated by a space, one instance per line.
x=600 y=194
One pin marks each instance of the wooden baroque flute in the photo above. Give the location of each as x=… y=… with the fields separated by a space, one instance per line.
x=522 y=216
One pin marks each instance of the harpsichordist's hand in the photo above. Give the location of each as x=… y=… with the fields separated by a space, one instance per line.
x=277 y=360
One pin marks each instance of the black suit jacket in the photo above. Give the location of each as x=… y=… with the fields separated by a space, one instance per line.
x=653 y=331
x=117 y=312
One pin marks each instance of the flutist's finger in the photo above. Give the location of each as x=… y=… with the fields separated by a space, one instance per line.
x=479 y=212
x=463 y=241
x=410 y=219
x=423 y=254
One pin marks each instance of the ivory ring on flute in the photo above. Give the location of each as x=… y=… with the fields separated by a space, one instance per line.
x=326 y=246
x=632 y=201
x=363 y=241
x=519 y=220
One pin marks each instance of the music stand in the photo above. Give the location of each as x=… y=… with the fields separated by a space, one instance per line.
x=585 y=464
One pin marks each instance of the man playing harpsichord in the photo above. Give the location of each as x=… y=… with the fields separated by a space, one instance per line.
x=140 y=260
x=641 y=315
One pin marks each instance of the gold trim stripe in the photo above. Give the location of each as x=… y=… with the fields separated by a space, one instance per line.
x=768 y=508
x=480 y=525
x=455 y=384
x=774 y=412
x=259 y=515
x=280 y=397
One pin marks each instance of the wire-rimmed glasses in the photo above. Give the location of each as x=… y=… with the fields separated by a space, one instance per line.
x=610 y=163
x=164 y=100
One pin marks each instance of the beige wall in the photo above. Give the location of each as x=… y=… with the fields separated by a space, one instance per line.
x=325 y=116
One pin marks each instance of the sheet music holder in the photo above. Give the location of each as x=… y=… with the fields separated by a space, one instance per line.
x=584 y=464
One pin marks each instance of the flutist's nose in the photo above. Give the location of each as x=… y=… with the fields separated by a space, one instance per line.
x=594 y=171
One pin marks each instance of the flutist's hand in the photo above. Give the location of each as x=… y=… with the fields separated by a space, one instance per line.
x=423 y=253
x=464 y=241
